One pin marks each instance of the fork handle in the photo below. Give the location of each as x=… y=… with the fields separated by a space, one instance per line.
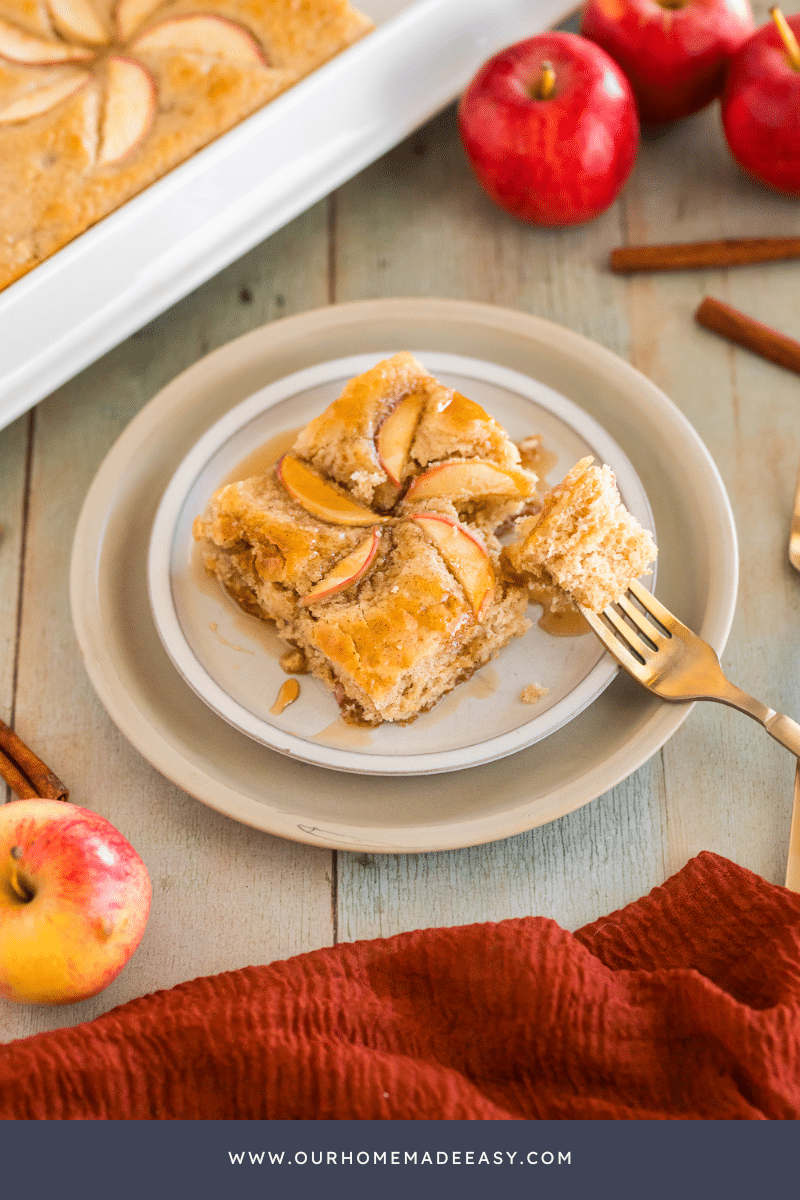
x=782 y=728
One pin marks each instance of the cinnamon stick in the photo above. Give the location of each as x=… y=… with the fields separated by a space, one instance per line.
x=24 y=771
x=687 y=256
x=21 y=786
x=738 y=327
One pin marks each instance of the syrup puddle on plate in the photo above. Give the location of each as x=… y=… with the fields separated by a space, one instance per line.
x=339 y=733
x=214 y=627
x=236 y=621
x=541 y=462
x=259 y=461
x=564 y=624
x=287 y=695
x=570 y=623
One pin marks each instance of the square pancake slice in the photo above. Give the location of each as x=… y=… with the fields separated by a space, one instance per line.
x=377 y=561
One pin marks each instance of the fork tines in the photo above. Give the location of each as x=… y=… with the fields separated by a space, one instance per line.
x=633 y=633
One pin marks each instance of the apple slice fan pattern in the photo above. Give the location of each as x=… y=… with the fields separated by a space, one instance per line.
x=99 y=99
x=106 y=57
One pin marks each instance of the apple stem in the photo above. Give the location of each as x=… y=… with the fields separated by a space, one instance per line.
x=546 y=83
x=787 y=37
x=17 y=886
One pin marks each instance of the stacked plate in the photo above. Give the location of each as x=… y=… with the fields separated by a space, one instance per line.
x=192 y=681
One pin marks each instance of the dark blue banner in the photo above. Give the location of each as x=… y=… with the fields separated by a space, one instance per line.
x=573 y=1160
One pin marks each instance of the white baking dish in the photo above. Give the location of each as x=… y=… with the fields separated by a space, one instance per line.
x=201 y=216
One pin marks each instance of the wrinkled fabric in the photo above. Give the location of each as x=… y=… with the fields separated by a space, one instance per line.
x=683 y=1005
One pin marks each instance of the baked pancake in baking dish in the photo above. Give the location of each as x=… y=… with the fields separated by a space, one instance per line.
x=99 y=98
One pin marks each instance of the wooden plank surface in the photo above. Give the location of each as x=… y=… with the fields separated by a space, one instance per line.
x=14 y=444
x=415 y=223
x=729 y=788
x=224 y=896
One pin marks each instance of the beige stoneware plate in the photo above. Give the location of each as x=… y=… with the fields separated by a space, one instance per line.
x=180 y=735
x=230 y=659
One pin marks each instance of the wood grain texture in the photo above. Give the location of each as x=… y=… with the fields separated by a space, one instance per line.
x=13 y=458
x=728 y=787
x=573 y=870
x=224 y=896
x=416 y=223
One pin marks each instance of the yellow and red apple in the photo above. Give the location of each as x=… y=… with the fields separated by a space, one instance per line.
x=74 y=901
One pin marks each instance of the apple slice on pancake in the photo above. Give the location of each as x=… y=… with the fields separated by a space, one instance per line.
x=78 y=19
x=211 y=36
x=348 y=571
x=34 y=103
x=469 y=479
x=133 y=13
x=321 y=498
x=394 y=438
x=130 y=106
x=20 y=47
x=465 y=556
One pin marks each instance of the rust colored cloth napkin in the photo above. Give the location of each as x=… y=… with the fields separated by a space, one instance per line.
x=684 y=1005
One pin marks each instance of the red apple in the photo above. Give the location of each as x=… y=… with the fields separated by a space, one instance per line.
x=761 y=105
x=549 y=126
x=674 y=52
x=74 y=900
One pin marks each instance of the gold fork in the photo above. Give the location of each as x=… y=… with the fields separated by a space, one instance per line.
x=794 y=531
x=674 y=663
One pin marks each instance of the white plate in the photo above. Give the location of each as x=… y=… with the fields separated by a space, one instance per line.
x=224 y=200
x=232 y=773
x=230 y=659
